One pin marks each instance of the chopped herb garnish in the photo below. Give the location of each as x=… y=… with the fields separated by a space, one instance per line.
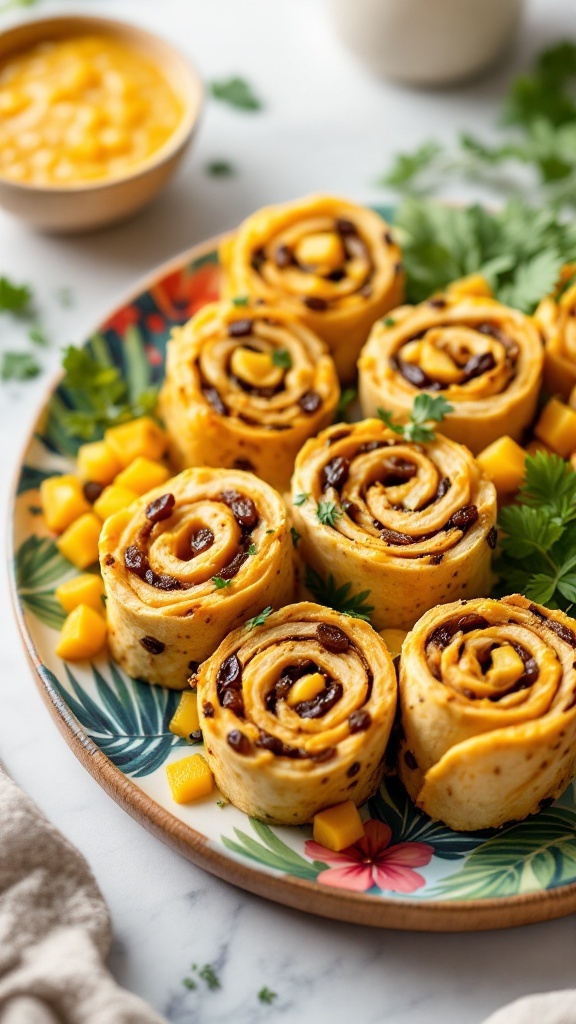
x=281 y=357
x=101 y=388
x=347 y=396
x=259 y=619
x=219 y=583
x=252 y=549
x=208 y=974
x=220 y=169
x=426 y=408
x=301 y=498
x=240 y=300
x=221 y=803
x=538 y=545
x=295 y=536
x=236 y=92
x=328 y=513
x=14 y=298
x=389 y=321
x=38 y=335
x=269 y=532
x=326 y=592
x=189 y=983
x=19 y=366
x=266 y=995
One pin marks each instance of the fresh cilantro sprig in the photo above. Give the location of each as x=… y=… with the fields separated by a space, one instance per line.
x=103 y=394
x=220 y=169
x=295 y=536
x=538 y=546
x=15 y=298
x=266 y=995
x=259 y=619
x=301 y=498
x=426 y=408
x=328 y=513
x=347 y=397
x=326 y=592
x=236 y=92
x=282 y=358
x=19 y=366
x=220 y=583
x=518 y=249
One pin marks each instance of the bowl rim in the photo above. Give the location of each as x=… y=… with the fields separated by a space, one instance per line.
x=192 y=100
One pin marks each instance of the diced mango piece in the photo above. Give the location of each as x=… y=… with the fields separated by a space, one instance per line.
x=321 y=249
x=189 y=779
x=83 y=634
x=96 y=461
x=142 y=475
x=139 y=437
x=503 y=463
x=255 y=368
x=506 y=669
x=79 y=543
x=87 y=589
x=472 y=284
x=62 y=501
x=112 y=499
x=394 y=638
x=438 y=364
x=185 y=719
x=306 y=688
x=338 y=827
x=557 y=427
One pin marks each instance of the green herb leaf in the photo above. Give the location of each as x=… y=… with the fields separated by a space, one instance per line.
x=301 y=498
x=347 y=396
x=328 y=513
x=281 y=357
x=295 y=536
x=426 y=408
x=326 y=592
x=259 y=619
x=389 y=321
x=240 y=300
x=103 y=394
x=220 y=169
x=19 y=366
x=408 y=167
x=219 y=583
x=252 y=549
x=38 y=335
x=266 y=995
x=208 y=974
x=236 y=92
x=14 y=298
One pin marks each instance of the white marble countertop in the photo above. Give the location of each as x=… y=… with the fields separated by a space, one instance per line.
x=327 y=126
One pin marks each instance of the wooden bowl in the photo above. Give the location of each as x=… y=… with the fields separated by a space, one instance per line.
x=84 y=206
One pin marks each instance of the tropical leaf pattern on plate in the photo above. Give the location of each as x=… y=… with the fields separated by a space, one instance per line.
x=129 y=721
x=39 y=567
x=272 y=852
x=31 y=478
x=536 y=854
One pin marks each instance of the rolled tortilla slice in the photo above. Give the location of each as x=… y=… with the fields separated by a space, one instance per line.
x=245 y=386
x=483 y=357
x=488 y=701
x=336 y=265
x=412 y=524
x=556 y=320
x=188 y=562
x=296 y=713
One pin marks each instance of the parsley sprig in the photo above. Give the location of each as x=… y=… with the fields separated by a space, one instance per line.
x=328 y=513
x=103 y=393
x=426 y=408
x=538 y=549
x=326 y=592
x=236 y=92
x=259 y=619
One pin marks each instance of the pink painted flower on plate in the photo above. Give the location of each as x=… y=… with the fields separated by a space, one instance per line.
x=372 y=861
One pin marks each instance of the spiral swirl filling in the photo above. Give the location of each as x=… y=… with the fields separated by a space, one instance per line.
x=475 y=360
x=397 y=492
x=324 y=260
x=281 y=388
x=196 y=540
x=260 y=688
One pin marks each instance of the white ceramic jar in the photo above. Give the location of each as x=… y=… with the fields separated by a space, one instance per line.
x=426 y=42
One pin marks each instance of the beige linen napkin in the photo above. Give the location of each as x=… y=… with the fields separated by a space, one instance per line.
x=548 y=1008
x=54 y=928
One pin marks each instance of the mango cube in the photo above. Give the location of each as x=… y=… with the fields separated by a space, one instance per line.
x=189 y=779
x=338 y=827
x=394 y=638
x=96 y=461
x=142 y=475
x=79 y=543
x=83 y=634
x=306 y=688
x=255 y=368
x=321 y=249
x=503 y=463
x=87 y=589
x=141 y=437
x=557 y=427
x=438 y=364
x=471 y=285
x=62 y=501
x=112 y=499
x=185 y=719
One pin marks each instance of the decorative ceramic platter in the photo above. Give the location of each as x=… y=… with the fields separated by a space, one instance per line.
x=408 y=872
